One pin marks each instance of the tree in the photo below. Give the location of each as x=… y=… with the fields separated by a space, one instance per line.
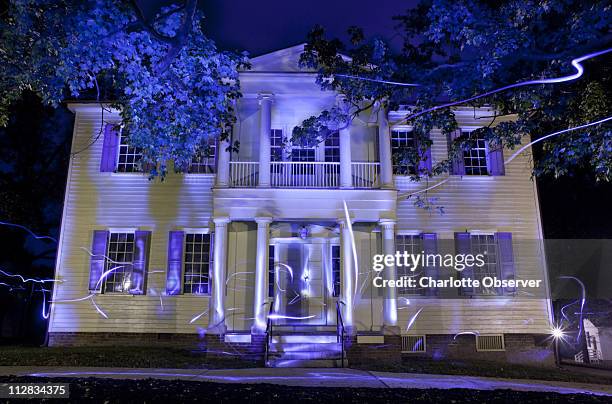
x=173 y=87
x=455 y=50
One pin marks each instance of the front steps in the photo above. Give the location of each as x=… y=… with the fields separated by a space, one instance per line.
x=308 y=350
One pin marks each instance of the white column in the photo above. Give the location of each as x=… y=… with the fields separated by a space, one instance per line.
x=384 y=146
x=261 y=270
x=390 y=295
x=223 y=163
x=344 y=135
x=265 y=125
x=216 y=315
x=348 y=276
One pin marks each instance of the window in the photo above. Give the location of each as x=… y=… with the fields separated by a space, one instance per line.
x=271 y=271
x=302 y=154
x=475 y=159
x=332 y=147
x=120 y=258
x=335 y=256
x=198 y=259
x=130 y=157
x=411 y=244
x=276 y=145
x=401 y=141
x=203 y=161
x=485 y=244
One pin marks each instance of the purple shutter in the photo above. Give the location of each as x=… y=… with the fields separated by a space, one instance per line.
x=424 y=159
x=463 y=245
x=109 y=148
x=506 y=258
x=496 y=160
x=430 y=246
x=458 y=167
x=175 y=263
x=140 y=264
x=98 y=252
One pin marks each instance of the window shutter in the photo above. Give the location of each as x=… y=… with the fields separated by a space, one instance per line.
x=463 y=246
x=424 y=159
x=175 y=263
x=109 y=148
x=506 y=258
x=430 y=246
x=140 y=265
x=98 y=251
x=496 y=160
x=458 y=167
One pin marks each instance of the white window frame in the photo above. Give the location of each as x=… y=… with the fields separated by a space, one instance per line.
x=409 y=233
x=197 y=231
x=135 y=171
x=400 y=128
x=214 y=145
x=497 y=257
x=486 y=149
x=108 y=264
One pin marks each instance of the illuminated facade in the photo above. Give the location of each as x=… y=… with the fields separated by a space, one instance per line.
x=273 y=240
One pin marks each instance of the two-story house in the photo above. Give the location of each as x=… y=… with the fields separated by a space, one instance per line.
x=267 y=252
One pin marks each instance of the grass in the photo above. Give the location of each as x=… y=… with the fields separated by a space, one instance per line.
x=133 y=357
x=486 y=369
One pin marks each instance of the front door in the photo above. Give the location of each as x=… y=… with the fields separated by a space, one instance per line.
x=299 y=291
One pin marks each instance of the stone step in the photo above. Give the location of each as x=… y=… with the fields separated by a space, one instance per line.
x=299 y=363
x=293 y=347
x=306 y=355
x=311 y=329
x=305 y=339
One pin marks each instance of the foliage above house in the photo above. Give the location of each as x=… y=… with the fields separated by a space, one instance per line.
x=172 y=85
x=455 y=50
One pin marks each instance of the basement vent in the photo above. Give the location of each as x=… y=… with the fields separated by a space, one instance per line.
x=413 y=343
x=490 y=342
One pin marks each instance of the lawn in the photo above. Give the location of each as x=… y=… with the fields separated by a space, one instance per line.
x=487 y=369
x=133 y=357
x=175 y=391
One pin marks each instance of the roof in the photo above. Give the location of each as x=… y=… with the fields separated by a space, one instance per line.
x=282 y=60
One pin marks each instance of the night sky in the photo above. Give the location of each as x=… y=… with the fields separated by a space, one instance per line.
x=268 y=25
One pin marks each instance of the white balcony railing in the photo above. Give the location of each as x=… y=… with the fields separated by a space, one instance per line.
x=304 y=174
x=244 y=174
x=366 y=174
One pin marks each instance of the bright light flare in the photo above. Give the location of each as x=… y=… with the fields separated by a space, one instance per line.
x=557 y=333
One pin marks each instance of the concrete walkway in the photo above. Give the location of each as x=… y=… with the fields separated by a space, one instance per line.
x=317 y=378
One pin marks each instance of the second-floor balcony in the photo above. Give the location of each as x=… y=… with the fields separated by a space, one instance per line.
x=302 y=174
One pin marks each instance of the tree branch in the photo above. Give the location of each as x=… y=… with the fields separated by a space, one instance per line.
x=179 y=40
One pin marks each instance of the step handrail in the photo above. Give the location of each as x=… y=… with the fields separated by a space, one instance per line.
x=269 y=326
x=340 y=330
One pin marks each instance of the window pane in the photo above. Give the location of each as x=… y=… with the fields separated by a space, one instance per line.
x=129 y=157
x=485 y=244
x=197 y=263
x=411 y=244
x=119 y=263
x=401 y=142
x=475 y=159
